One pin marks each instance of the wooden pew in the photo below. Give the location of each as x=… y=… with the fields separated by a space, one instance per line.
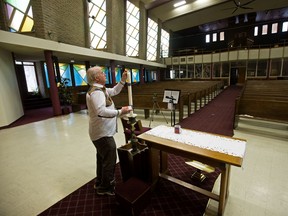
x=203 y=90
x=191 y=92
x=145 y=102
x=263 y=99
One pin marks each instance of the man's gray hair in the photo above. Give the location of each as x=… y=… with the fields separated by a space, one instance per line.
x=92 y=73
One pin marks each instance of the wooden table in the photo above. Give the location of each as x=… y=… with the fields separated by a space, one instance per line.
x=159 y=147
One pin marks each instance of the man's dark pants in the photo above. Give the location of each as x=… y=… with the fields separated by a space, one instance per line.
x=105 y=161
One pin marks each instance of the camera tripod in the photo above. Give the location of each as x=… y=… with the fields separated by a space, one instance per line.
x=156 y=107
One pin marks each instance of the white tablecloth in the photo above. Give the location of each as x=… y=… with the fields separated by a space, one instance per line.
x=212 y=142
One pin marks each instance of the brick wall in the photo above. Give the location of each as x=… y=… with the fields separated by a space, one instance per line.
x=62 y=21
x=116 y=30
x=3 y=19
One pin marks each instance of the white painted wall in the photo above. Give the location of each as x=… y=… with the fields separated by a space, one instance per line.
x=10 y=101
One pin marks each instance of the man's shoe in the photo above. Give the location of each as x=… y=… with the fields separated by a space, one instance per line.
x=105 y=192
x=97 y=185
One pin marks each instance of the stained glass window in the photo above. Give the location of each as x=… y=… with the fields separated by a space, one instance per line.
x=118 y=74
x=106 y=71
x=148 y=76
x=154 y=75
x=46 y=75
x=132 y=30
x=65 y=72
x=165 y=37
x=80 y=75
x=152 y=40
x=97 y=24
x=135 y=76
x=20 y=16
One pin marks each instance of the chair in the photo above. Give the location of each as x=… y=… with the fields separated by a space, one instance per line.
x=139 y=129
x=134 y=196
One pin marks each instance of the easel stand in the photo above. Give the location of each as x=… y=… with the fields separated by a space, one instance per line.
x=172 y=109
x=171 y=97
x=156 y=107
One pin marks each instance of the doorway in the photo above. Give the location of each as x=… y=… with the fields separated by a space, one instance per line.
x=233 y=76
x=237 y=76
x=241 y=75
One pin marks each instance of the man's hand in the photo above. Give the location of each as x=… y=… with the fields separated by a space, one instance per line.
x=124 y=76
x=126 y=109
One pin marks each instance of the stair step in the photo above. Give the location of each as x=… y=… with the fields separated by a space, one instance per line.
x=34 y=103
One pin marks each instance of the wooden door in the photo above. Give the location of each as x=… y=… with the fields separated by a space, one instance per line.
x=241 y=75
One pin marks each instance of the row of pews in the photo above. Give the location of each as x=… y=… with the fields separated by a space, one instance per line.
x=192 y=93
x=263 y=99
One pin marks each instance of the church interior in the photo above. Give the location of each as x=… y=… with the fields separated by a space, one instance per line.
x=202 y=69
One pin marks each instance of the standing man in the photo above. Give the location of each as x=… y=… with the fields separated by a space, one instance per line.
x=102 y=127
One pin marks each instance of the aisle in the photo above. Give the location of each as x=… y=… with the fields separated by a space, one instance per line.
x=217 y=116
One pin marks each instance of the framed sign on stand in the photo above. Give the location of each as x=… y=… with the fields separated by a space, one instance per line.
x=171 y=97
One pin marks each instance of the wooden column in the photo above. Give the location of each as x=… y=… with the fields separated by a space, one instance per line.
x=87 y=65
x=53 y=87
x=112 y=65
x=141 y=74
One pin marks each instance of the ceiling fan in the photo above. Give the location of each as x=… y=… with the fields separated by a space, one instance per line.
x=238 y=5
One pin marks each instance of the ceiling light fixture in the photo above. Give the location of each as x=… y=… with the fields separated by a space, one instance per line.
x=180 y=3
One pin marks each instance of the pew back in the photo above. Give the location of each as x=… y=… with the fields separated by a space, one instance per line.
x=264 y=99
x=191 y=91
